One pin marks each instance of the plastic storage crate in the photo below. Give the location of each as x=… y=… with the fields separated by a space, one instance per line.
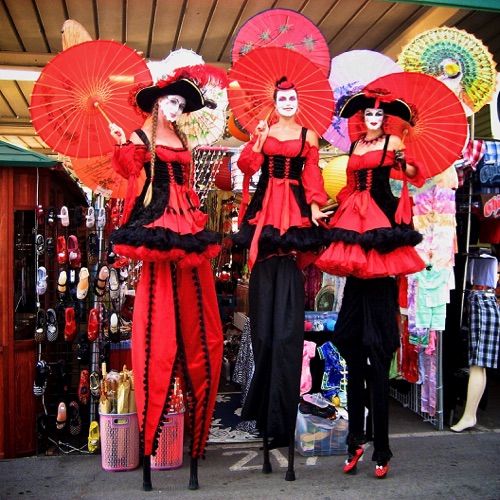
x=119 y=441
x=316 y=436
x=170 y=447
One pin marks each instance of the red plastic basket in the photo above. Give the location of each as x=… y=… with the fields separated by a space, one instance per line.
x=170 y=447
x=119 y=441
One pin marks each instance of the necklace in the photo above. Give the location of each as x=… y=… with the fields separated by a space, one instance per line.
x=364 y=142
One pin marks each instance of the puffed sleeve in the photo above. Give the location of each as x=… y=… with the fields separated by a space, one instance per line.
x=312 y=179
x=249 y=161
x=128 y=161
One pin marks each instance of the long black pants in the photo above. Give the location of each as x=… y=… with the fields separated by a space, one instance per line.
x=276 y=301
x=367 y=335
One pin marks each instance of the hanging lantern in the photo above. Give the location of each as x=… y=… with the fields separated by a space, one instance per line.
x=334 y=175
x=223 y=177
x=235 y=130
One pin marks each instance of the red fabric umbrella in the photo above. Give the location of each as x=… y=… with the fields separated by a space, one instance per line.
x=253 y=78
x=99 y=176
x=438 y=130
x=83 y=89
x=282 y=28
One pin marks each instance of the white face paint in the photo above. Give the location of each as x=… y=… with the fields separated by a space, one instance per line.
x=374 y=118
x=286 y=102
x=172 y=106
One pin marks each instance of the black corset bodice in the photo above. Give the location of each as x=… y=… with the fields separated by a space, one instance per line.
x=282 y=167
x=166 y=173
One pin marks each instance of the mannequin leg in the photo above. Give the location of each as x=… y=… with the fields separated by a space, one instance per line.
x=475 y=389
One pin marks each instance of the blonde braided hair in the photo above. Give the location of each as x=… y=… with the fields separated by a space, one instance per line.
x=181 y=135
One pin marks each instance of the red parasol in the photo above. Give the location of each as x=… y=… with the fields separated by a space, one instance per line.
x=83 y=89
x=438 y=130
x=252 y=82
x=99 y=176
x=282 y=28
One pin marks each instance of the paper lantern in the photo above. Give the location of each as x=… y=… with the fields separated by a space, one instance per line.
x=236 y=131
x=223 y=177
x=334 y=175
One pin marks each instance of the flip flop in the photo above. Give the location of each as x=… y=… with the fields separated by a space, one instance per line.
x=114 y=328
x=40 y=215
x=95 y=385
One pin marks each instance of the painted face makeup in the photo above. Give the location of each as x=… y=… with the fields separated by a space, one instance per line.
x=286 y=102
x=172 y=106
x=374 y=118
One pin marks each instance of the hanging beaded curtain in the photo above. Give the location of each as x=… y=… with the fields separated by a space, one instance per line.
x=207 y=162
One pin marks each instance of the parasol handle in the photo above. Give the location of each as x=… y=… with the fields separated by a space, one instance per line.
x=405 y=133
x=96 y=104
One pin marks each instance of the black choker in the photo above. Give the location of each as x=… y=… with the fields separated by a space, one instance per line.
x=364 y=142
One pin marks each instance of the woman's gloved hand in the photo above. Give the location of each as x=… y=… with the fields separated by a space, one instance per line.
x=399 y=156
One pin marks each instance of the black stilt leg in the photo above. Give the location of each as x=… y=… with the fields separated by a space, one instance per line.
x=266 y=466
x=193 y=474
x=290 y=473
x=146 y=473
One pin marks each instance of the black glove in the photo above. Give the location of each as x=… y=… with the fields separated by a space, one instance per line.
x=399 y=156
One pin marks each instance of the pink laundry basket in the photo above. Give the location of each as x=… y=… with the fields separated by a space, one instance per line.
x=170 y=446
x=119 y=441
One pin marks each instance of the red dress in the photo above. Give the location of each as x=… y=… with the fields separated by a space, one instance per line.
x=365 y=240
x=176 y=328
x=278 y=219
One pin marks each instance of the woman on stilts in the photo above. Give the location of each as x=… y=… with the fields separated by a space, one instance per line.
x=279 y=226
x=371 y=242
x=176 y=328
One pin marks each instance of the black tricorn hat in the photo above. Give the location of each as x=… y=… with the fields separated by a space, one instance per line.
x=363 y=100
x=184 y=87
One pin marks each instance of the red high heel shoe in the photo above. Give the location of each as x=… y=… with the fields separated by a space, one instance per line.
x=381 y=470
x=351 y=462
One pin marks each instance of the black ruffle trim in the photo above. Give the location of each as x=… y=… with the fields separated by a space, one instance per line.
x=383 y=240
x=299 y=239
x=163 y=239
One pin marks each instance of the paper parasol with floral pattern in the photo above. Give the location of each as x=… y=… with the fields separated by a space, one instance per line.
x=282 y=28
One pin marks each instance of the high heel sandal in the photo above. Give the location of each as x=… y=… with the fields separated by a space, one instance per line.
x=351 y=462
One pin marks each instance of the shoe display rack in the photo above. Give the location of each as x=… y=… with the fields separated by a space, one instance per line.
x=85 y=298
